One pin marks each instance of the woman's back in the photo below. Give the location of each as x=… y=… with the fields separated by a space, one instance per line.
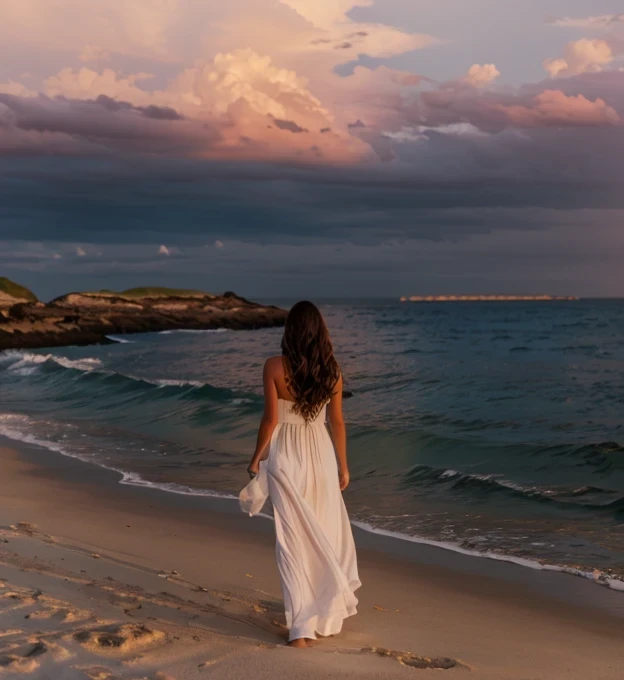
x=276 y=370
x=279 y=376
x=286 y=415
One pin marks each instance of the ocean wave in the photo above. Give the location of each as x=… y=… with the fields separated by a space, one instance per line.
x=485 y=485
x=26 y=363
x=91 y=369
x=19 y=427
x=598 y=576
x=16 y=429
x=167 y=382
x=121 y=341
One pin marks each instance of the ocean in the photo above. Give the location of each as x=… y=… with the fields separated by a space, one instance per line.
x=489 y=428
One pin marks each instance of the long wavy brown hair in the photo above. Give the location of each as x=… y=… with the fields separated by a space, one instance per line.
x=312 y=371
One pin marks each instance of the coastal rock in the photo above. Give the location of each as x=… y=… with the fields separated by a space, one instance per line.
x=88 y=318
x=94 y=301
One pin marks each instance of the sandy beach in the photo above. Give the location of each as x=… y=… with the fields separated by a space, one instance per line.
x=101 y=580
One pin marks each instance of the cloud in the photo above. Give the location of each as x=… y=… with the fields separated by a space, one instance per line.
x=544 y=257
x=600 y=21
x=582 y=56
x=16 y=89
x=241 y=97
x=94 y=53
x=491 y=112
x=337 y=31
x=253 y=105
x=256 y=74
x=86 y=83
x=325 y=13
x=163 y=250
x=139 y=28
x=554 y=108
x=178 y=31
x=245 y=75
x=96 y=127
x=481 y=75
x=290 y=123
x=81 y=252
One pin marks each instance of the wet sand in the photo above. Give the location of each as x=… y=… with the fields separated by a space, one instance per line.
x=108 y=581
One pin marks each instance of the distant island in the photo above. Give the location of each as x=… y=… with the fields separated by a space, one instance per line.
x=91 y=317
x=489 y=298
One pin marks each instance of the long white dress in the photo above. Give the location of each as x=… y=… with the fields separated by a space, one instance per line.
x=315 y=549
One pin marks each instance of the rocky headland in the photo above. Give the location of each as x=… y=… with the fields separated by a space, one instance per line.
x=89 y=318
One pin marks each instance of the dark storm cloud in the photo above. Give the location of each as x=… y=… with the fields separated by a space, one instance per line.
x=137 y=201
x=556 y=259
x=289 y=125
x=75 y=126
x=152 y=111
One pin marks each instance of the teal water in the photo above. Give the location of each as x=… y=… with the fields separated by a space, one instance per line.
x=489 y=427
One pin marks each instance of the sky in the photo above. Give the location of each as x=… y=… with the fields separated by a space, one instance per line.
x=313 y=148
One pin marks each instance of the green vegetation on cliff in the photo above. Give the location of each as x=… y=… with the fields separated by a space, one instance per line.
x=15 y=290
x=151 y=291
x=157 y=291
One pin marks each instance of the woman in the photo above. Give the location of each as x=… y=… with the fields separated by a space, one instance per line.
x=296 y=464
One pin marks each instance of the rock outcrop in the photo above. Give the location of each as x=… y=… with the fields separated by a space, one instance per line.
x=89 y=318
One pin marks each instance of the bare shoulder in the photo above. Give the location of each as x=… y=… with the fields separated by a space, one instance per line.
x=274 y=366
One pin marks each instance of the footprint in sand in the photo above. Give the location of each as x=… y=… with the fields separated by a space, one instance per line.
x=118 y=640
x=26 y=528
x=13 y=599
x=99 y=673
x=23 y=659
x=412 y=660
x=102 y=673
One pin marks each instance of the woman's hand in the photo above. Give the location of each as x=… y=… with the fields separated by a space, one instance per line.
x=253 y=470
x=344 y=478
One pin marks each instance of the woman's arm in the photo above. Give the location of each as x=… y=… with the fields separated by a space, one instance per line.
x=269 y=418
x=339 y=434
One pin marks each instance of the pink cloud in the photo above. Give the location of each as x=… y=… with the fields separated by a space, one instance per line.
x=554 y=108
x=92 y=53
x=138 y=28
x=581 y=56
x=544 y=105
x=481 y=75
x=256 y=79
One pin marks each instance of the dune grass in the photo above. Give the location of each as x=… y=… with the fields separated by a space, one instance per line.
x=15 y=290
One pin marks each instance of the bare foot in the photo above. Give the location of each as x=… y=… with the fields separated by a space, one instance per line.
x=299 y=643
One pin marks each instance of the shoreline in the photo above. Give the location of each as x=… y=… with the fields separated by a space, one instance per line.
x=188 y=566
x=596 y=577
